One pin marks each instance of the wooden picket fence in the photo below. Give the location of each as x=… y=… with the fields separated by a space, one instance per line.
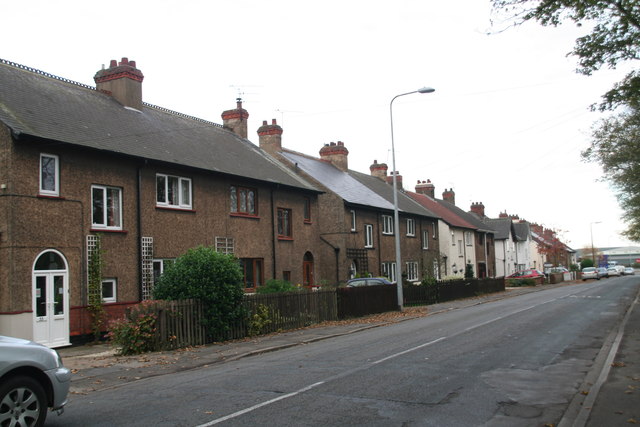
x=179 y=324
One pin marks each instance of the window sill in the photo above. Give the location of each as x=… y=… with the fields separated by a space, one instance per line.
x=176 y=209
x=369 y=247
x=50 y=196
x=308 y=222
x=285 y=238
x=238 y=215
x=107 y=230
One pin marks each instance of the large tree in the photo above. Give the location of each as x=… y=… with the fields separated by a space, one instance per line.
x=613 y=38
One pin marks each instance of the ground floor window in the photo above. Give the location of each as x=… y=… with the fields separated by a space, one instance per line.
x=389 y=270
x=253 y=272
x=159 y=265
x=109 y=287
x=412 y=271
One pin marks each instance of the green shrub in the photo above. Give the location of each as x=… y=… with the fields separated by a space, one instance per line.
x=135 y=333
x=273 y=286
x=514 y=283
x=468 y=271
x=259 y=320
x=211 y=277
x=586 y=262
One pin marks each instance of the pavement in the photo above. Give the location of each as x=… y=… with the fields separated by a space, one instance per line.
x=611 y=398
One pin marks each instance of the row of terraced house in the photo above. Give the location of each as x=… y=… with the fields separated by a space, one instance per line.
x=86 y=167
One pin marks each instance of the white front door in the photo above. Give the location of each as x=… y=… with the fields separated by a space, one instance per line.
x=51 y=302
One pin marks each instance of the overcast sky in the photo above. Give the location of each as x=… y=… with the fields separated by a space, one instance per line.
x=504 y=127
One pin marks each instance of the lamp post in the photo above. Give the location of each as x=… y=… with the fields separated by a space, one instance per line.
x=396 y=215
x=593 y=249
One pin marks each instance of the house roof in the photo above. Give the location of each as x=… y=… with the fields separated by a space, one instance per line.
x=441 y=210
x=355 y=187
x=41 y=105
x=521 y=230
x=468 y=217
x=501 y=227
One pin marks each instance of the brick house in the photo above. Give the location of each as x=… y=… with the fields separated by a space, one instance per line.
x=357 y=215
x=464 y=238
x=83 y=165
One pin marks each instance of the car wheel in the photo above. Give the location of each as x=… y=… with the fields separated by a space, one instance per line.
x=22 y=402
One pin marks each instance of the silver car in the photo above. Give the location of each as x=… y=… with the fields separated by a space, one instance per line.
x=32 y=379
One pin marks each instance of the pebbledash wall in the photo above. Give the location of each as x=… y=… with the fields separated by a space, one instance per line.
x=32 y=223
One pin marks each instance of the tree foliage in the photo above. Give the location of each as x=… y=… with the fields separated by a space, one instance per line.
x=616 y=147
x=214 y=278
x=613 y=38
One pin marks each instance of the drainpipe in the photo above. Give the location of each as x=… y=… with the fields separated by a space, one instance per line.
x=139 y=230
x=273 y=235
x=336 y=250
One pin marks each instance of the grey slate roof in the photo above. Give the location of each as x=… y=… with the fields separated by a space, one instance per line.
x=45 y=106
x=355 y=187
x=521 y=230
x=501 y=227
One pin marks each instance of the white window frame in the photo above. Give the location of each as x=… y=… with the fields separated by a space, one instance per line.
x=182 y=202
x=56 y=176
x=114 y=289
x=103 y=224
x=425 y=239
x=368 y=236
x=460 y=249
x=389 y=271
x=353 y=220
x=387 y=224
x=467 y=238
x=162 y=262
x=412 y=271
x=411 y=227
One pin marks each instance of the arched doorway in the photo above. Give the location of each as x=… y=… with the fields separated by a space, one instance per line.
x=51 y=299
x=307 y=269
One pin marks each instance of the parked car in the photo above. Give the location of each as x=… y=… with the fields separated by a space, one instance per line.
x=613 y=271
x=629 y=271
x=602 y=272
x=368 y=281
x=32 y=379
x=590 y=273
x=530 y=273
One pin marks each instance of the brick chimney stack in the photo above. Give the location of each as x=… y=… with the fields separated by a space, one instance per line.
x=478 y=209
x=449 y=196
x=270 y=136
x=379 y=170
x=236 y=120
x=123 y=81
x=398 y=179
x=426 y=188
x=337 y=154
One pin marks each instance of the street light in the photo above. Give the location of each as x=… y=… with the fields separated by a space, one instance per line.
x=593 y=250
x=396 y=215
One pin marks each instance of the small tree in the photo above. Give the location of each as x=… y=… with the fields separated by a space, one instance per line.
x=468 y=271
x=211 y=277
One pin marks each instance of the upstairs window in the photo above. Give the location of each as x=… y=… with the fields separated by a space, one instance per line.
x=307 y=209
x=49 y=175
x=353 y=220
x=106 y=212
x=244 y=201
x=368 y=236
x=284 y=223
x=425 y=239
x=411 y=227
x=467 y=238
x=387 y=224
x=173 y=191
